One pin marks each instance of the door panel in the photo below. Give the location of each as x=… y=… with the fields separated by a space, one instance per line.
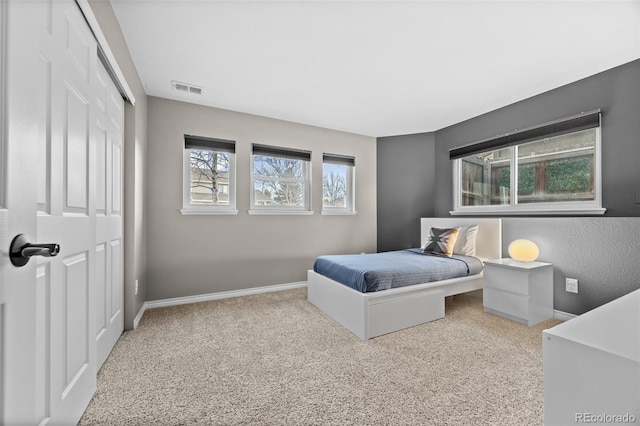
x=76 y=148
x=101 y=169
x=108 y=137
x=80 y=44
x=71 y=49
x=116 y=289
x=44 y=83
x=43 y=342
x=63 y=119
x=101 y=291
x=116 y=173
x=76 y=295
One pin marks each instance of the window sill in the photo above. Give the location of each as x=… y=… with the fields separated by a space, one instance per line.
x=338 y=213
x=595 y=211
x=211 y=212
x=270 y=212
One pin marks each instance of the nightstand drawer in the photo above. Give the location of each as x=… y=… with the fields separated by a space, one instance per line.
x=508 y=303
x=506 y=279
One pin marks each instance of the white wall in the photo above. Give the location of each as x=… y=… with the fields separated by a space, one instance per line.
x=191 y=255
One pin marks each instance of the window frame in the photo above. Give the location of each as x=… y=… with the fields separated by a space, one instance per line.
x=349 y=162
x=280 y=152
x=591 y=207
x=213 y=145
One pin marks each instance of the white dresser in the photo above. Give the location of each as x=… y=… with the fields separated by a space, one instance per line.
x=520 y=291
x=592 y=366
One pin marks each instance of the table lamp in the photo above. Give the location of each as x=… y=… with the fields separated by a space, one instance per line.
x=524 y=250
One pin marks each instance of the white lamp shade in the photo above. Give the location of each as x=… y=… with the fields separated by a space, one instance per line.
x=524 y=250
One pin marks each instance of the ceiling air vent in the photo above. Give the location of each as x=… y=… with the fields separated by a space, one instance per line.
x=187 y=88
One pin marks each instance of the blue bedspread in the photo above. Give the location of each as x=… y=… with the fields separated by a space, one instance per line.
x=381 y=271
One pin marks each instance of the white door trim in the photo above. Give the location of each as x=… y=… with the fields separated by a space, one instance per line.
x=3 y=100
x=103 y=46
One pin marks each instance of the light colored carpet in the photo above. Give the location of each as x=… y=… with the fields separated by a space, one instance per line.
x=275 y=359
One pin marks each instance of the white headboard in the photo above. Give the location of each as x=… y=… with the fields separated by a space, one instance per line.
x=488 y=242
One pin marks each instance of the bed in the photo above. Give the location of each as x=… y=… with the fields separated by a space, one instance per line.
x=383 y=310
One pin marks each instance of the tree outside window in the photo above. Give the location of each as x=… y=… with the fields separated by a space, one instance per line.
x=337 y=184
x=280 y=180
x=209 y=177
x=334 y=186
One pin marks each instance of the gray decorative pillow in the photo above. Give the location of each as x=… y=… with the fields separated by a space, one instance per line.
x=441 y=241
x=466 y=241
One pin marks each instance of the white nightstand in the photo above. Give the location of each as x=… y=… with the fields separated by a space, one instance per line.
x=520 y=291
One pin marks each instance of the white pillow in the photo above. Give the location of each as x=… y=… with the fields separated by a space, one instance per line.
x=466 y=241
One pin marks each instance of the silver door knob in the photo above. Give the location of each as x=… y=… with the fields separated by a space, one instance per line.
x=21 y=250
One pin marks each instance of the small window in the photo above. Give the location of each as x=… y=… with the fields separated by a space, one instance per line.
x=338 y=184
x=209 y=176
x=280 y=180
x=554 y=174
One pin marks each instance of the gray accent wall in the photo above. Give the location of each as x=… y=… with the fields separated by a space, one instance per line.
x=406 y=175
x=194 y=255
x=616 y=92
x=603 y=253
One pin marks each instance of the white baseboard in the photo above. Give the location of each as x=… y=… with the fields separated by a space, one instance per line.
x=563 y=316
x=138 y=317
x=213 y=296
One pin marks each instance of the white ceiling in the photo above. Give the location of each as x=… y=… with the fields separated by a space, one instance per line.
x=375 y=68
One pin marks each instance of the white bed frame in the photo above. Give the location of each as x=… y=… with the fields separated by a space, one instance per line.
x=369 y=315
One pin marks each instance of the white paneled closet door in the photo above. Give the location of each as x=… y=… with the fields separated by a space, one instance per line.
x=108 y=142
x=62 y=155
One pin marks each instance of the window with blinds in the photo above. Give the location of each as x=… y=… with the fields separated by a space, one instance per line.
x=338 y=175
x=280 y=179
x=209 y=176
x=553 y=168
